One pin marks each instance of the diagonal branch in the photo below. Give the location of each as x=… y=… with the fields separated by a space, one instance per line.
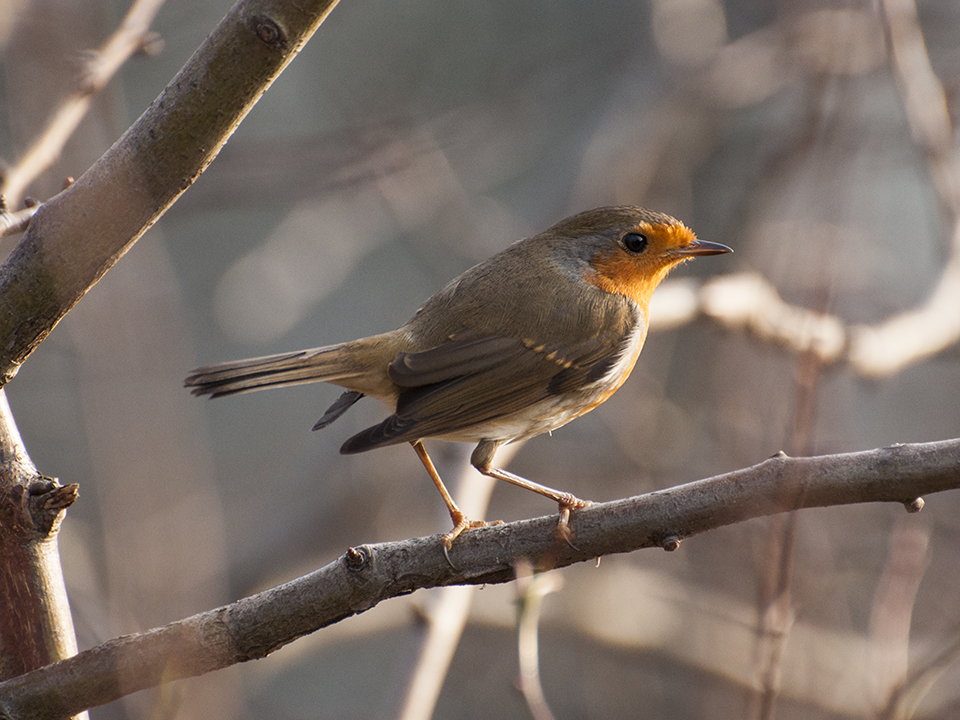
x=256 y=626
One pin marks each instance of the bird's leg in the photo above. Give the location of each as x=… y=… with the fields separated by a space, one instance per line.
x=460 y=521
x=482 y=460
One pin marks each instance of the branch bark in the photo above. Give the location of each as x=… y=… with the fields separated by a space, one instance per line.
x=35 y=623
x=256 y=626
x=77 y=236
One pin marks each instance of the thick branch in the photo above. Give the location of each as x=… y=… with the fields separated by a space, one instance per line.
x=363 y=577
x=35 y=623
x=77 y=236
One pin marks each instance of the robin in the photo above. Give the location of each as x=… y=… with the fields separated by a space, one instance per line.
x=516 y=346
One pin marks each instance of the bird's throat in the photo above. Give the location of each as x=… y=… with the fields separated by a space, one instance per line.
x=618 y=275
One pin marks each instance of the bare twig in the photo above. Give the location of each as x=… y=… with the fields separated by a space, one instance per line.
x=99 y=69
x=891 y=616
x=532 y=589
x=749 y=302
x=77 y=236
x=256 y=626
x=12 y=223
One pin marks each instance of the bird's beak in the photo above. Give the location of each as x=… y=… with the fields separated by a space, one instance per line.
x=700 y=247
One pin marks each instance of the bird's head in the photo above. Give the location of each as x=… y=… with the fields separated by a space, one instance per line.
x=630 y=250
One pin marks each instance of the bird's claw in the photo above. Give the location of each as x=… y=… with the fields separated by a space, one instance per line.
x=459 y=525
x=563 y=526
x=465 y=524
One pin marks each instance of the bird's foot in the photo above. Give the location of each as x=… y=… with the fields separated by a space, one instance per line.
x=464 y=523
x=460 y=524
x=568 y=503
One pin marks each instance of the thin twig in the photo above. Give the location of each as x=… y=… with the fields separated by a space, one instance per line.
x=12 y=223
x=890 y=617
x=776 y=612
x=748 y=302
x=102 y=65
x=531 y=590
x=256 y=626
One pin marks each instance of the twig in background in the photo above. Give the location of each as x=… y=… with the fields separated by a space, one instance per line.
x=132 y=36
x=532 y=588
x=907 y=561
x=749 y=302
x=904 y=700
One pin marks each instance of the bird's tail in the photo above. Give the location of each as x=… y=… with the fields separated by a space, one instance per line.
x=354 y=365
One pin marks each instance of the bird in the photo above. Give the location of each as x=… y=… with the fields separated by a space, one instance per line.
x=518 y=345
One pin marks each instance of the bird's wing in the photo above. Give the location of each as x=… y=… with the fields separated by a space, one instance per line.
x=468 y=381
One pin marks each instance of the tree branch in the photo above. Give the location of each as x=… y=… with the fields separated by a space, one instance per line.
x=748 y=302
x=35 y=623
x=77 y=236
x=364 y=576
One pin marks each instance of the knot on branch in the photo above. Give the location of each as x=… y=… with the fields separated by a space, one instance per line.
x=357 y=559
x=46 y=501
x=670 y=543
x=914 y=506
x=268 y=31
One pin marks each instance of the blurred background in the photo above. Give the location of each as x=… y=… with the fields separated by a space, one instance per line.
x=411 y=139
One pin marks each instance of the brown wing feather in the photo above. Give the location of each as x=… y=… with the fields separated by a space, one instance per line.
x=453 y=359
x=465 y=383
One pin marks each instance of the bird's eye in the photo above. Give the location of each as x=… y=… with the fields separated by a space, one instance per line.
x=634 y=242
